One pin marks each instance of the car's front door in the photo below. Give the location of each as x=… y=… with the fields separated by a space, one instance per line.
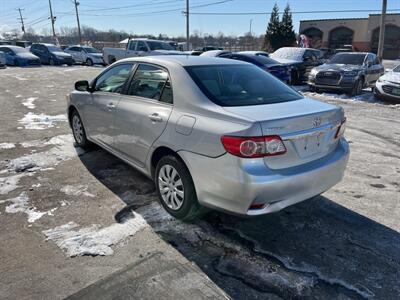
x=377 y=68
x=142 y=114
x=99 y=113
x=131 y=50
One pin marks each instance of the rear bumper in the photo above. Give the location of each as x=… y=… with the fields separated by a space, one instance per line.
x=232 y=184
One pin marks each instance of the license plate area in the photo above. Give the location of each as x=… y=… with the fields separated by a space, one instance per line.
x=310 y=145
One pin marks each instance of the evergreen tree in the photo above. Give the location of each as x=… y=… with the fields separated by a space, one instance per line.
x=272 y=35
x=287 y=31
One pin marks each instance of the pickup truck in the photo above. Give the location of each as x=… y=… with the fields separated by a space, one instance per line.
x=139 y=47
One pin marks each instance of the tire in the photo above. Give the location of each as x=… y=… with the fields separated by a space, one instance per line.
x=78 y=130
x=357 y=88
x=16 y=63
x=52 y=62
x=182 y=202
x=89 y=62
x=294 y=77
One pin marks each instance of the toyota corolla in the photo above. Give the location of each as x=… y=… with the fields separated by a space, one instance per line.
x=212 y=133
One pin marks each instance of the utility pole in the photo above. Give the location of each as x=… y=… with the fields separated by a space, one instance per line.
x=77 y=20
x=382 y=30
x=53 y=20
x=21 y=20
x=251 y=22
x=187 y=26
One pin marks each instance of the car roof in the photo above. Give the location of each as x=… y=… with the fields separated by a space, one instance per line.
x=11 y=47
x=183 y=60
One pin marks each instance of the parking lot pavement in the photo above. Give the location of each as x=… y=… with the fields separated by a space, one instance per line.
x=82 y=224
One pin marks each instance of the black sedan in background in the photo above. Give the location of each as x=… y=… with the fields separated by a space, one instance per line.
x=300 y=61
x=349 y=72
x=268 y=64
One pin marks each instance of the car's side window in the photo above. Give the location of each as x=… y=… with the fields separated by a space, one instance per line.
x=132 y=45
x=376 y=60
x=141 y=46
x=114 y=79
x=150 y=82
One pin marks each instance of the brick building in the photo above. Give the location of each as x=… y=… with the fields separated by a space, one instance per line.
x=362 y=33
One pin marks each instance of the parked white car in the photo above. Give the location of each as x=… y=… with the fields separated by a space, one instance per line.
x=388 y=85
x=139 y=47
x=86 y=55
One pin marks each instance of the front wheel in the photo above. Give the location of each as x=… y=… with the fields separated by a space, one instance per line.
x=78 y=130
x=357 y=88
x=175 y=189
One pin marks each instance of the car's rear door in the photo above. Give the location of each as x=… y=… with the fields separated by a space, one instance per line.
x=142 y=114
x=99 y=112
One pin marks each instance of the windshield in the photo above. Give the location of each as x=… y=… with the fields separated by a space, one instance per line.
x=240 y=85
x=348 y=59
x=54 y=49
x=159 y=45
x=397 y=69
x=19 y=50
x=288 y=53
x=91 y=50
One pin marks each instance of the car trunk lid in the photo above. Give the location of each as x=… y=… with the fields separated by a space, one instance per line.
x=307 y=128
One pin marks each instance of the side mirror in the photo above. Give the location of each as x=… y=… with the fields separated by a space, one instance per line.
x=369 y=64
x=82 y=86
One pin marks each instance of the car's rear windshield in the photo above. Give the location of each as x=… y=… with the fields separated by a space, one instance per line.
x=240 y=85
x=348 y=59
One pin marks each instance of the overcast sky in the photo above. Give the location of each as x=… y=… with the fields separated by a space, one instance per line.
x=165 y=16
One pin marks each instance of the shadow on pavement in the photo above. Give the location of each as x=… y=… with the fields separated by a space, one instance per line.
x=317 y=249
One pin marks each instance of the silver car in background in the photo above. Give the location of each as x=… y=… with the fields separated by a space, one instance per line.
x=86 y=55
x=212 y=132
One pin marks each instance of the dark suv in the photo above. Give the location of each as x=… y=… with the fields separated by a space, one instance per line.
x=348 y=72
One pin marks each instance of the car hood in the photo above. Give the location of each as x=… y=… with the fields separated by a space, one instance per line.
x=62 y=54
x=391 y=76
x=26 y=55
x=339 y=67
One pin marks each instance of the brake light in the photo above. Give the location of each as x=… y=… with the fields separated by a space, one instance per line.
x=341 y=129
x=252 y=147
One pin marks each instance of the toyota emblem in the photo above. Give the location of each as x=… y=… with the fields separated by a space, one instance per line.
x=316 y=122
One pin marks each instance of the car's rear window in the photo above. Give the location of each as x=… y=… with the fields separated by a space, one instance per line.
x=240 y=85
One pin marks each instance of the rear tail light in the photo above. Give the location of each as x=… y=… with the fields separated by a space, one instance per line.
x=252 y=147
x=341 y=129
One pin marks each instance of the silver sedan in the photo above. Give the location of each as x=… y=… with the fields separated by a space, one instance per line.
x=212 y=133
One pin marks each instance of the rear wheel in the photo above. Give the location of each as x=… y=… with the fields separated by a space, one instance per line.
x=78 y=130
x=89 y=62
x=175 y=189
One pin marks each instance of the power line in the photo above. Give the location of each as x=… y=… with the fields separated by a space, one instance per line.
x=294 y=12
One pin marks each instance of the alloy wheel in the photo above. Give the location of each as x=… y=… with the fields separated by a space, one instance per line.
x=77 y=129
x=171 y=187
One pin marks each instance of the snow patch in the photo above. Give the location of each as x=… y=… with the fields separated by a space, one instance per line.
x=76 y=190
x=10 y=183
x=7 y=145
x=42 y=121
x=29 y=102
x=93 y=240
x=63 y=150
x=20 y=204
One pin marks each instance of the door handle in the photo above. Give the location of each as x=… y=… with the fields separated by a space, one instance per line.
x=155 y=117
x=110 y=106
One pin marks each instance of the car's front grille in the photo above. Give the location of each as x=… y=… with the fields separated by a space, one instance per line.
x=388 y=89
x=327 y=78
